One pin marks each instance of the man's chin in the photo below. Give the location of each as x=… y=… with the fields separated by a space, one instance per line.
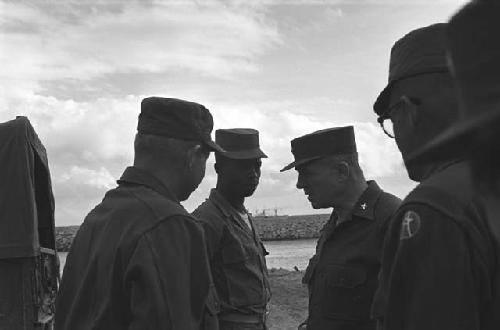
x=316 y=205
x=416 y=171
x=184 y=197
x=249 y=192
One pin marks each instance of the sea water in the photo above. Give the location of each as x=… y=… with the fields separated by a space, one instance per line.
x=285 y=254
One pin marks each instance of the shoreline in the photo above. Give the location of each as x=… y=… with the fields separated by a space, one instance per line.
x=269 y=228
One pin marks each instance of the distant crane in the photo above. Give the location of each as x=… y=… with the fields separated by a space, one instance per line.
x=265 y=212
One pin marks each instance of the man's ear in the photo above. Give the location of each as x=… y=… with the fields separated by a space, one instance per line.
x=192 y=155
x=412 y=115
x=344 y=170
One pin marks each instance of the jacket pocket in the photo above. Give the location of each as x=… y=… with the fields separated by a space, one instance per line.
x=243 y=276
x=347 y=295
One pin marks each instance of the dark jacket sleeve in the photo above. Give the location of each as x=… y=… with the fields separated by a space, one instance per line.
x=168 y=278
x=429 y=277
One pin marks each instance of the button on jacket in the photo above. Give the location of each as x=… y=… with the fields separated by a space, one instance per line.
x=137 y=262
x=237 y=257
x=342 y=276
x=441 y=259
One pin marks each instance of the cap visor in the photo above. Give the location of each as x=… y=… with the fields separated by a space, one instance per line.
x=381 y=104
x=244 y=154
x=299 y=162
x=214 y=146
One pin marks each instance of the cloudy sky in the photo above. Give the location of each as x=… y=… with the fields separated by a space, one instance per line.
x=79 y=69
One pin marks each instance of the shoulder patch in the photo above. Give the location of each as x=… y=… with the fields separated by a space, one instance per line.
x=410 y=225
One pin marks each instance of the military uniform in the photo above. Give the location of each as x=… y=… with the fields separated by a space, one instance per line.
x=237 y=258
x=139 y=259
x=441 y=258
x=237 y=255
x=441 y=261
x=135 y=255
x=342 y=275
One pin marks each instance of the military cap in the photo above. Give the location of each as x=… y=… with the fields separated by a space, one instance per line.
x=322 y=143
x=473 y=40
x=239 y=143
x=419 y=52
x=179 y=119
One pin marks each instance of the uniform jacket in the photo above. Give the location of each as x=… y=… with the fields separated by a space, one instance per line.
x=237 y=257
x=441 y=266
x=138 y=261
x=342 y=275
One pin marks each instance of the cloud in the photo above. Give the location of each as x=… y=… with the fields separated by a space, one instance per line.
x=84 y=176
x=334 y=13
x=362 y=2
x=76 y=69
x=90 y=143
x=41 y=43
x=281 y=121
x=278 y=123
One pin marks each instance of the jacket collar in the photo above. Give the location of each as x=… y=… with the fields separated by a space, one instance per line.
x=221 y=202
x=228 y=210
x=365 y=206
x=141 y=177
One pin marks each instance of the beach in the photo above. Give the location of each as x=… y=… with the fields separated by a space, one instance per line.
x=288 y=306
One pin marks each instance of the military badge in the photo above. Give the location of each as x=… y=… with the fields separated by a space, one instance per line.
x=410 y=225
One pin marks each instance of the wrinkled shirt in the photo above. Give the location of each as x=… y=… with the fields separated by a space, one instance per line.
x=138 y=261
x=343 y=274
x=237 y=257
x=441 y=259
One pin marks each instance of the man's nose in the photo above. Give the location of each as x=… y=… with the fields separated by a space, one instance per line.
x=300 y=183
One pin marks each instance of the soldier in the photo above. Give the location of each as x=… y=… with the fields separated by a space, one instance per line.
x=342 y=275
x=139 y=260
x=440 y=261
x=473 y=46
x=237 y=255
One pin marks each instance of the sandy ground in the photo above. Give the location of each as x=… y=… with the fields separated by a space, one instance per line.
x=288 y=307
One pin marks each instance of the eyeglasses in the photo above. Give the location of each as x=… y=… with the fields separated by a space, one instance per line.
x=385 y=119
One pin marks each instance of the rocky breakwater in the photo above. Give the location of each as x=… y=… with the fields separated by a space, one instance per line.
x=290 y=227
x=64 y=237
x=269 y=229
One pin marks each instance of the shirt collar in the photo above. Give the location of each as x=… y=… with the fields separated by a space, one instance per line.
x=138 y=176
x=365 y=206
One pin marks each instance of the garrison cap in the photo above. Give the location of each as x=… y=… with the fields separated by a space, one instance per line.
x=418 y=52
x=473 y=41
x=322 y=143
x=179 y=119
x=239 y=143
